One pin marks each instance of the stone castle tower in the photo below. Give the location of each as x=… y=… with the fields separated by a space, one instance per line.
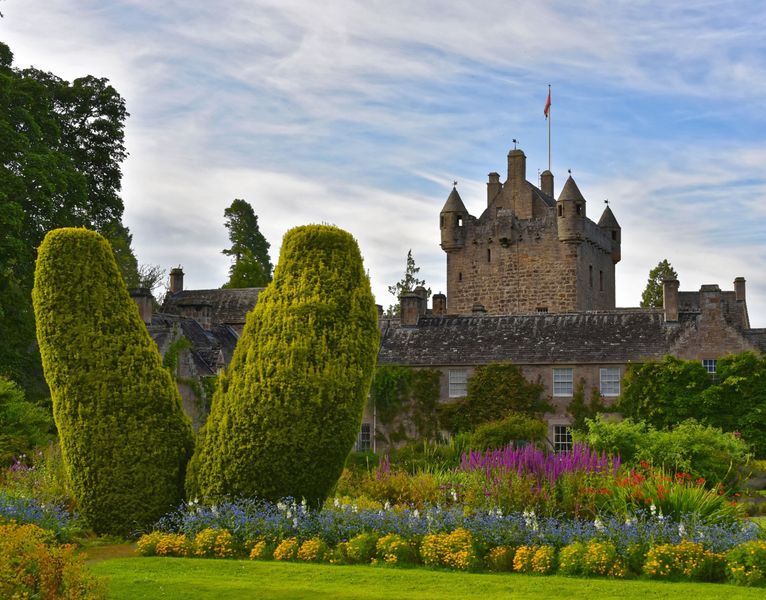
x=528 y=252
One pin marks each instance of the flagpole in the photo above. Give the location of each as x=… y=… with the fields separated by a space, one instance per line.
x=549 y=130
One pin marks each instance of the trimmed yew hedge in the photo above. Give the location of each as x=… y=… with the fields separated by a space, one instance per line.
x=285 y=416
x=125 y=439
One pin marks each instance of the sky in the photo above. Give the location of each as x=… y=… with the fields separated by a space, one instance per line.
x=362 y=113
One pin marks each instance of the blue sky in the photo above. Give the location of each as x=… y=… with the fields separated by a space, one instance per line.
x=361 y=114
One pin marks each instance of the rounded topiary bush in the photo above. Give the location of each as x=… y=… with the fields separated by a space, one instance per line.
x=125 y=439
x=285 y=416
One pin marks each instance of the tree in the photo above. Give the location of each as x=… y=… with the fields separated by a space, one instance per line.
x=287 y=413
x=61 y=146
x=23 y=425
x=251 y=266
x=663 y=393
x=408 y=283
x=652 y=295
x=125 y=439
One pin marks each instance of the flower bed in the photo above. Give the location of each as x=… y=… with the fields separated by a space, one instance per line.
x=455 y=539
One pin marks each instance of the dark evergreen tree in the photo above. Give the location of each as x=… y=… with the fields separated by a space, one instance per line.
x=251 y=266
x=124 y=437
x=652 y=295
x=288 y=411
x=407 y=283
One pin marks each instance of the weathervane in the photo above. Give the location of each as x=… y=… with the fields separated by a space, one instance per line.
x=515 y=141
x=569 y=171
x=606 y=201
x=454 y=183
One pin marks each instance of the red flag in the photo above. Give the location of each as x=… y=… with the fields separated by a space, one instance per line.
x=547 y=110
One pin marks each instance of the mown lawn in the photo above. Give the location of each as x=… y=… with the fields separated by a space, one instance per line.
x=189 y=579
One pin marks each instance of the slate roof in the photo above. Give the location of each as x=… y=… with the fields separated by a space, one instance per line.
x=615 y=336
x=454 y=203
x=207 y=347
x=228 y=306
x=757 y=337
x=570 y=191
x=608 y=219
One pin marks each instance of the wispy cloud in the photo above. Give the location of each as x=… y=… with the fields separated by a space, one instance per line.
x=362 y=113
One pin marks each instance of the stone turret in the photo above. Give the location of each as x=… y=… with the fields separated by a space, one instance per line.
x=546 y=182
x=452 y=222
x=570 y=213
x=609 y=224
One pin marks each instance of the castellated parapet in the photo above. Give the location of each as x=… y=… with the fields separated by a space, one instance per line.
x=529 y=252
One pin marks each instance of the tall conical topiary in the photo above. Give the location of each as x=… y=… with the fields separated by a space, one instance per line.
x=125 y=439
x=286 y=415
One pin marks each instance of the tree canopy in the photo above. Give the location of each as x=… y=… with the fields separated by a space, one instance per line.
x=61 y=147
x=251 y=265
x=652 y=295
x=407 y=283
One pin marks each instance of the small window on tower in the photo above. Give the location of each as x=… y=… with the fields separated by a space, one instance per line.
x=460 y=276
x=561 y=210
x=590 y=275
x=614 y=235
x=542 y=309
x=460 y=221
x=578 y=208
x=441 y=221
x=601 y=281
x=489 y=255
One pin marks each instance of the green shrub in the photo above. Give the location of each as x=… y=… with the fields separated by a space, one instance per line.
x=23 y=425
x=746 y=563
x=287 y=413
x=691 y=447
x=687 y=560
x=513 y=428
x=32 y=565
x=394 y=549
x=360 y=549
x=124 y=437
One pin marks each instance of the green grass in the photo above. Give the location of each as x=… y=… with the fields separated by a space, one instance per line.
x=189 y=579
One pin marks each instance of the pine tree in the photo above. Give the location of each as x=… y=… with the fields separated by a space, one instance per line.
x=125 y=439
x=286 y=414
x=251 y=266
x=407 y=284
x=652 y=296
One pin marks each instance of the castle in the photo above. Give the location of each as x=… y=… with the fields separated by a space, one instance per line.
x=530 y=281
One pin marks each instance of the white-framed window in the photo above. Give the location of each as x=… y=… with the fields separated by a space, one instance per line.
x=562 y=438
x=364 y=441
x=710 y=365
x=610 y=381
x=458 y=383
x=562 y=381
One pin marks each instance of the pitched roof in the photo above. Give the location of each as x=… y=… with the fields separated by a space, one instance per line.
x=608 y=219
x=228 y=306
x=454 y=203
x=615 y=336
x=570 y=191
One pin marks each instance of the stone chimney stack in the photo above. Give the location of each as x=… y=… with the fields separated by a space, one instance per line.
x=670 y=300
x=145 y=302
x=176 y=280
x=517 y=168
x=739 y=289
x=440 y=304
x=546 y=183
x=493 y=187
x=411 y=306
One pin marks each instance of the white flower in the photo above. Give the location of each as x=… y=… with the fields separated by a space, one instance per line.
x=454 y=495
x=336 y=502
x=387 y=505
x=415 y=514
x=295 y=522
x=653 y=509
x=598 y=524
x=354 y=508
x=681 y=530
x=289 y=514
x=281 y=506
